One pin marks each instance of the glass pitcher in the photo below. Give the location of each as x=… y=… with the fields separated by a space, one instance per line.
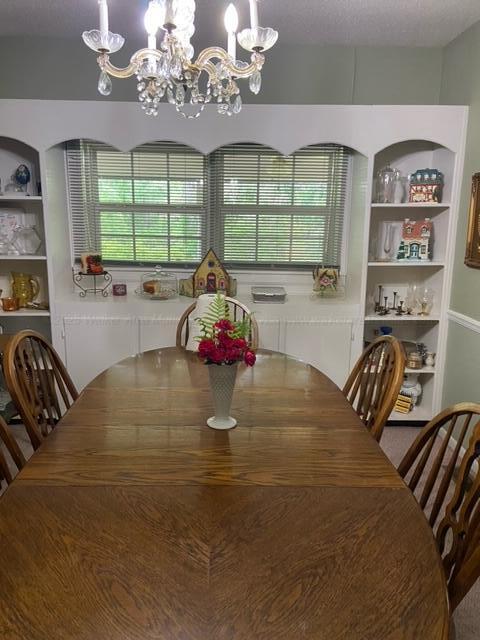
x=25 y=287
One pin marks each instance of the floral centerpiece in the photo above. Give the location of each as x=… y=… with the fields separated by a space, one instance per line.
x=223 y=343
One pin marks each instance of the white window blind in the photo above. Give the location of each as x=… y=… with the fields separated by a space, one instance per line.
x=280 y=210
x=145 y=206
x=167 y=203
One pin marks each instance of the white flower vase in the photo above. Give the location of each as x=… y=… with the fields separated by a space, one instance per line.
x=222 y=382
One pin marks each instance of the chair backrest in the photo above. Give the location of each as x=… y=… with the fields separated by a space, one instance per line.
x=373 y=385
x=6 y=437
x=430 y=465
x=238 y=312
x=38 y=383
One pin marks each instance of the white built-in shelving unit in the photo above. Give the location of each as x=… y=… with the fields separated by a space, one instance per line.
x=30 y=210
x=396 y=275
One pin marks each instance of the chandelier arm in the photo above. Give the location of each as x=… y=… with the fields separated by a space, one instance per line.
x=135 y=61
x=211 y=53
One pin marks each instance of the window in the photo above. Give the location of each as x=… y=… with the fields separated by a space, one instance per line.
x=167 y=203
x=276 y=210
x=145 y=206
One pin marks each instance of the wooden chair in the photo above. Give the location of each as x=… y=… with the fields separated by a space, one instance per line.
x=373 y=385
x=13 y=449
x=238 y=311
x=38 y=383
x=430 y=465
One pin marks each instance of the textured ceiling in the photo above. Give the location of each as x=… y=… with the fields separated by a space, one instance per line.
x=342 y=22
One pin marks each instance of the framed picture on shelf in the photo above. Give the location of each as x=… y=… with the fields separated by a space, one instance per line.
x=472 y=254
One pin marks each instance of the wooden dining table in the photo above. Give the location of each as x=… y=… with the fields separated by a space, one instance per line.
x=136 y=521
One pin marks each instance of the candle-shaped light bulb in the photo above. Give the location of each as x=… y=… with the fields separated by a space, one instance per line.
x=169 y=13
x=253 y=14
x=103 y=9
x=231 y=25
x=154 y=17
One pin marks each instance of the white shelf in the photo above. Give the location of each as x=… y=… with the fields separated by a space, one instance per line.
x=394 y=318
x=23 y=257
x=411 y=205
x=21 y=198
x=406 y=263
x=25 y=313
x=419 y=413
x=430 y=370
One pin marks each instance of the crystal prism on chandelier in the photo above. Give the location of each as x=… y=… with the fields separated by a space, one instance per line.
x=169 y=73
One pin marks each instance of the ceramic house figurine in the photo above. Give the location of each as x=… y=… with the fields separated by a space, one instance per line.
x=426 y=185
x=210 y=277
x=416 y=240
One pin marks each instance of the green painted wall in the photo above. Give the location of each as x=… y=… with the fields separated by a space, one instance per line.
x=55 y=68
x=461 y=85
x=462 y=373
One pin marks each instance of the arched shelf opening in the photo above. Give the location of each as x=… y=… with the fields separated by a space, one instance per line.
x=14 y=153
x=410 y=155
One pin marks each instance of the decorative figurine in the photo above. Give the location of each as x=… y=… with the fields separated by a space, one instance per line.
x=426 y=185
x=416 y=240
x=325 y=280
x=22 y=177
x=209 y=277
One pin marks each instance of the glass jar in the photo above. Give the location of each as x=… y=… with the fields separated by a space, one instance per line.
x=385 y=185
x=414 y=360
x=26 y=240
x=158 y=284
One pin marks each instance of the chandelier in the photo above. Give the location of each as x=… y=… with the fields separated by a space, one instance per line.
x=170 y=73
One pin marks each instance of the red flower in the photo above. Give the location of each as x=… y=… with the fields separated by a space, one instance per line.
x=224 y=325
x=240 y=343
x=205 y=348
x=250 y=358
x=224 y=339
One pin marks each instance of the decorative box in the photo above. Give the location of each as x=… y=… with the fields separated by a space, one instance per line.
x=269 y=294
x=426 y=185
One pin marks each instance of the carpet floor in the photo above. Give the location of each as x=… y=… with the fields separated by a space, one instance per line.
x=395 y=442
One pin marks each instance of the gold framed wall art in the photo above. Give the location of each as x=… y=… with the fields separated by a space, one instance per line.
x=472 y=254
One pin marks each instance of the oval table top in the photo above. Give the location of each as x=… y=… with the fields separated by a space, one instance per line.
x=136 y=521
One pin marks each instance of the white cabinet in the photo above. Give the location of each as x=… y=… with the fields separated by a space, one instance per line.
x=269 y=334
x=94 y=344
x=155 y=333
x=325 y=345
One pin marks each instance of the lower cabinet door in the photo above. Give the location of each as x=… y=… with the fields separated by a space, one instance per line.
x=156 y=333
x=94 y=344
x=325 y=345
